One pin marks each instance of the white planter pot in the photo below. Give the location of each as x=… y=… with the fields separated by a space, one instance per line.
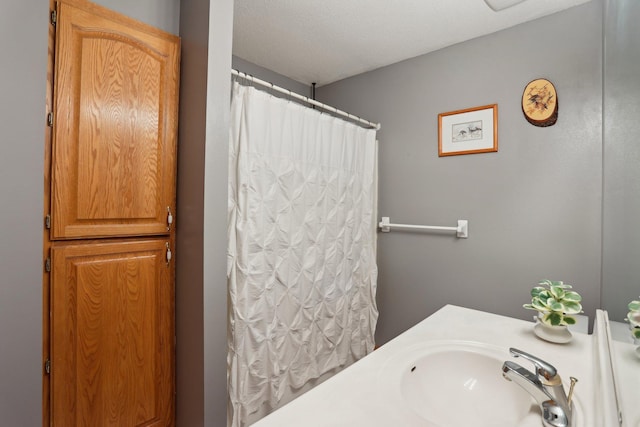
x=555 y=334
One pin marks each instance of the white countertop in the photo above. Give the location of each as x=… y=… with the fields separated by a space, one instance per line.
x=627 y=367
x=358 y=396
x=626 y=361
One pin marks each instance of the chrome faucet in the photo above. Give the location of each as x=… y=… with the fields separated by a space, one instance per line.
x=545 y=386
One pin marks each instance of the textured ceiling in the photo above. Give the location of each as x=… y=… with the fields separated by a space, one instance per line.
x=324 y=41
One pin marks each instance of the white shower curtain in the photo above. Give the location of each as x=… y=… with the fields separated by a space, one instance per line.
x=302 y=241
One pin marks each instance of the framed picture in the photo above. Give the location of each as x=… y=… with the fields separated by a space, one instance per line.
x=474 y=130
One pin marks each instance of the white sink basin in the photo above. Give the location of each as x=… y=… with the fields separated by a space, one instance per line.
x=457 y=387
x=459 y=384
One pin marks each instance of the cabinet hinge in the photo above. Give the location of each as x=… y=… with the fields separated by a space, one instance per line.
x=47 y=222
x=47 y=265
x=47 y=366
x=50 y=119
x=54 y=18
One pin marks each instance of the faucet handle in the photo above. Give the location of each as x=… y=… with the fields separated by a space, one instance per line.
x=543 y=369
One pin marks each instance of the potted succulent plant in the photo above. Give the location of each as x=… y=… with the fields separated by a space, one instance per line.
x=555 y=303
x=633 y=317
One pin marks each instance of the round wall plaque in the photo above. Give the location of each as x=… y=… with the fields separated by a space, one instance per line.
x=540 y=103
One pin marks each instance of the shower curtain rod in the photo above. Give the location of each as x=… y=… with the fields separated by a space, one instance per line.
x=334 y=110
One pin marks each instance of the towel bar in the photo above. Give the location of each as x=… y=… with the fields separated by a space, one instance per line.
x=462 y=230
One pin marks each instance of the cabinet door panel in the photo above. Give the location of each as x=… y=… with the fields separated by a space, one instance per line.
x=114 y=146
x=112 y=308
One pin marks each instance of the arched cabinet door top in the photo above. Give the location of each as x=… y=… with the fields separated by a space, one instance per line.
x=115 y=125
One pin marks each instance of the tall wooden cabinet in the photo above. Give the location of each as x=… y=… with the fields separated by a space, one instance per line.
x=109 y=230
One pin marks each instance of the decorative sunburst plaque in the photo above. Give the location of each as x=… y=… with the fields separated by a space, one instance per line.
x=540 y=103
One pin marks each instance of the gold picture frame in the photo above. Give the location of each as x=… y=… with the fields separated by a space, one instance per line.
x=468 y=131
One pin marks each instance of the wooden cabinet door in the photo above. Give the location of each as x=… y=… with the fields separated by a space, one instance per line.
x=112 y=308
x=115 y=125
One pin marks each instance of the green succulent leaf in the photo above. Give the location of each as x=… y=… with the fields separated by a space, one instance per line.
x=545 y=295
x=539 y=305
x=634 y=318
x=634 y=306
x=572 y=307
x=555 y=305
x=572 y=296
x=559 y=283
x=535 y=291
x=557 y=302
x=636 y=333
x=557 y=292
x=553 y=318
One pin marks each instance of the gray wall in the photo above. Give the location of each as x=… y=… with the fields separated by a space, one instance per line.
x=23 y=43
x=201 y=287
x=215 y=212
x=190 y=215
x=201 y=325
x=534 y=207
x=163 y=14
x=270 y=76
x=621 y=239
x=190 y=364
